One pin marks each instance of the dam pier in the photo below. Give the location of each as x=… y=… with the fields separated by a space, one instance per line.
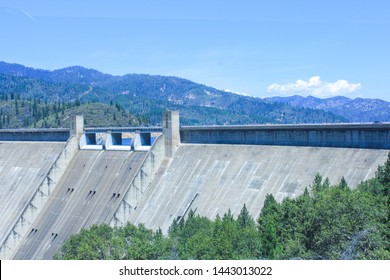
x=55 y=182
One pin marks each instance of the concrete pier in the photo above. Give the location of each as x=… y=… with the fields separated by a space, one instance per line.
x=171 y=132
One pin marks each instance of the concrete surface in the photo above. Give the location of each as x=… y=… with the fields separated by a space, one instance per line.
x=38 y=200
x=49 y=191
x=89 y=193
x=23 y=168
x=47 y=135
x=77 y=125
x=171 y=125
x=367 y=136
x=140 y=182
x=213 y=178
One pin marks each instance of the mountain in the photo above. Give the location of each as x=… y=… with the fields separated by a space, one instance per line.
x=73 y=74
x=355 y=110
x=147 y=96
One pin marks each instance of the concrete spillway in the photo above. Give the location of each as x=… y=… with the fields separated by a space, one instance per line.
x=213 y=178
x=23 y=167
x=88 y=193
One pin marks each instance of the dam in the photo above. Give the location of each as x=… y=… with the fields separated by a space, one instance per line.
x=53 y=183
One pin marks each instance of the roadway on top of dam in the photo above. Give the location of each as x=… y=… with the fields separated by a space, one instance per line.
x=326 y=126
x=322 y=126
x=123 y=129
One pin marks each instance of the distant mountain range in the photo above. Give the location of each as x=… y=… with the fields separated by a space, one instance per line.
x=145 y=97
x=354 y=110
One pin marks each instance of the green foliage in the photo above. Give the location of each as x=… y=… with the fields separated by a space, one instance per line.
x=334 y=222
x=244 y=219
x=269 y=227
x=319 y=184
x=380 y=187
x=105 y=243
x=94 y=243
x=383 y=176
x=35 y=113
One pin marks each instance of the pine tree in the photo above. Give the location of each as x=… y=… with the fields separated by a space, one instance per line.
x=268 y=224
x=343 y=183
x=16 y=107
x=244 y=219
x=317 y=184
x=383 y=175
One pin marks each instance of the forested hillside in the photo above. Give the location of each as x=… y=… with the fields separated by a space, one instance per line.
x=16 y=112
x=146 y=96
x=325 y=222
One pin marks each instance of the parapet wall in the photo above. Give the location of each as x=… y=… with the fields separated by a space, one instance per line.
x=368 y=136
x=44 y=135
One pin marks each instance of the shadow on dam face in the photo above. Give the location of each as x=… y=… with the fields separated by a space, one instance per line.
x=214 y=178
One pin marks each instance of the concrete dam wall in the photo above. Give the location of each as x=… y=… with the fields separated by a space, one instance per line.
x=98 y=186
x=23 y=168
x=211 y=179
x=367 y=136
x=51 y=190
x=89 y=193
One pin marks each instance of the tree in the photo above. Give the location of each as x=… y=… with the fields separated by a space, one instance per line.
x=244 y=219
x=343 y=183
x=248 y=245
x=16 y=107
x=268 y=225
x=224 y=235
x=318 y=185
x=383 y=176
x=89 y=244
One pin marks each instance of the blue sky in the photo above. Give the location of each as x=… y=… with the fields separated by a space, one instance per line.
x=260 y=48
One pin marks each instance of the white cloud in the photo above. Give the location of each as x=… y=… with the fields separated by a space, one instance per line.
x=235 y=92
x=315 y=87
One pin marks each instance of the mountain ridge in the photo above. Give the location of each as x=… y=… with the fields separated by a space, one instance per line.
x=355 y=110
x=147 y=96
